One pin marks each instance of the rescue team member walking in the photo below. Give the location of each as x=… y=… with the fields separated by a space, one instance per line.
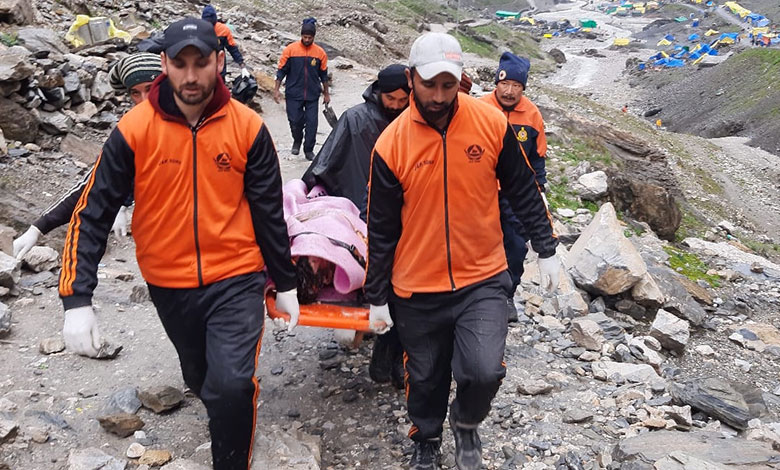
x=208 y=219
x=528 y=125
x=305 y=65
x=133 y=74
x=434 y=234
x=226 y=40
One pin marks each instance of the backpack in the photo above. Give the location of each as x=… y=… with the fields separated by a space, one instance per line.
x=244 y=88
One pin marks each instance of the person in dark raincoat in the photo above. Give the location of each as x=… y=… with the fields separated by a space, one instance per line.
x=341 y=167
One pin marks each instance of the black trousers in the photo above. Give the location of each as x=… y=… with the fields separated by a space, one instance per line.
x=303 y=115
x=217 y=330
x=458 y=334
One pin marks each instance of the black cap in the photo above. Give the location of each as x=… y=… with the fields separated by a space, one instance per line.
x=190 y=32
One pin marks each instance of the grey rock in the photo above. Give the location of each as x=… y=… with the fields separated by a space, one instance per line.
x=277 y=449
x=592 y=186
x=42 y=258
x=602 y=260
x=5 y=320
x=51 y=345
x=534 y=387
x=162 y=398
x=732 y=403
x=10 y=270
x=646 y=202
x=17 y=11
x=577 y=415
x=672 y=332
x=17 y=122
x=83 y=150
x=123 y=401
x=184 y=464
x=93 y=459
x=587 y=333
x=71 y=82
x=101 y=89
x=8 y=430
x=678 y=300
x=632 y=309
x=42 y=40
x=597 y=305
x=55 y=123
x=636 y=373
x=647 y=293
x=15 y=65
x=108 y=350
x=140 y=294
x=7 y=234
x=651 y=447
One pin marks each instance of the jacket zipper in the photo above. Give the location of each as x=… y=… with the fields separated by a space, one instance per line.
x=195 y=198
x=305 y=77
x=447 y=213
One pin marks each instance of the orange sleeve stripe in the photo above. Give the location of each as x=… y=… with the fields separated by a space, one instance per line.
x=70 y=260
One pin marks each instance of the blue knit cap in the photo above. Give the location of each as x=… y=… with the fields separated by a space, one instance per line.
x=512 y=67
x=209 y=14
x=309 y=26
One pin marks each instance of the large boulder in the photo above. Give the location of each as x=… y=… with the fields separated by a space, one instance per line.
x=10 y=270
x=41 y=39
x=16 y=12
x=646 y=202
x=17 y=122
x=83 y=150
x=15 y=65
x=732 y=403
x=602 y=260
x=592 y=186
x=677 y=299
x=55 y=123
x=672 y=332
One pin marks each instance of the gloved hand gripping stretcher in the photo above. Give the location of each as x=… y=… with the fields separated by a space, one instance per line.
x=328 y=245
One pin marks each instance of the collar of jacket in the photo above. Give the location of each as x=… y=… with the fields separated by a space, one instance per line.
x=161 y=99
x=418 y=117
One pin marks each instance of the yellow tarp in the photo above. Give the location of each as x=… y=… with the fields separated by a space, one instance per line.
x=727 y=40
x=664 y=42
x=763 y=30
x=665 y=54
x=651 y=5
x=698 y=46
x=711 y=32
x=640 y=9
x=527 y=19
x=737 y=9
x=81 y=21
x=621 y=41
x=548 y=36
x=699 y=59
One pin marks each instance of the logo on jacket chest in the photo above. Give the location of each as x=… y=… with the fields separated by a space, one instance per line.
x=522 y=134
x=474 y=153
x=223 y=162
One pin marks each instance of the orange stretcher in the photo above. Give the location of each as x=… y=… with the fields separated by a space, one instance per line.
x=323 y=315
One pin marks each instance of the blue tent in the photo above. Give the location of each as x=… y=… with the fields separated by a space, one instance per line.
x=669 y=38
x=693 y=37
x=709 y=4
x=675 y=63
x=695 y=23
x=572 y=30
x=733 y=36
x=658 y=56
x=556 y=33
x=641 y=66
x=680 y=54
x=712 y=52
x=695 y=55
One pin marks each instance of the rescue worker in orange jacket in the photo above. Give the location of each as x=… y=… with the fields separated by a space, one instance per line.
x=528 y=126
x=208 y=220
x=226 y=40
x=304 y=65
x=434 y=247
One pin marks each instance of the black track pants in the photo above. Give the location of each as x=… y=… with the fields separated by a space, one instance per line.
x=458 y=334
x=217 y=330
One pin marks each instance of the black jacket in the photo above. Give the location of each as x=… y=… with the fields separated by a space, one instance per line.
x=343 y=162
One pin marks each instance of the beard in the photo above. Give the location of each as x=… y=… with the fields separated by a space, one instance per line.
x=204 y=92
x=392 y=113
x=430 y=114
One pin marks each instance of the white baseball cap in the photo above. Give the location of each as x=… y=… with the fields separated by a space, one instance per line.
x=434 y=53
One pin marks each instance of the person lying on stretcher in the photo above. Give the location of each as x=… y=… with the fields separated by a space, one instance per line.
x=327 y=243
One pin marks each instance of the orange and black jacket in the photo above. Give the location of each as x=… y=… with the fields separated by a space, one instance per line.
x=227 y=42
x=433 y=216
x=527 y=122
x=306 y=68
x=208 y=198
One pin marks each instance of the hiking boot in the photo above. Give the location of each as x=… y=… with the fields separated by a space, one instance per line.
x=296 y=148
x=426 y=455
x=309 y=155
x=468 y=447
x=511 y=310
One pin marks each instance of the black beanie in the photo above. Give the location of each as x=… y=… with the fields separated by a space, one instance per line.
x=392 y=78
x=309 y=26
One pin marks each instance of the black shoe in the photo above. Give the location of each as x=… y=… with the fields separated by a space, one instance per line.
x=296 y=148
x=511 y=310
x=380 y=367
x=309 y=155
x=426 y=455
x=468 y=447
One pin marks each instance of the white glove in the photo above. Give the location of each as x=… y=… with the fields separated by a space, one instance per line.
x=26 y=241
x=546 y=204
x=80 y=331
x=379 y=319
x=120 y=223
x=550 y=273
x=287 y=302
x=244 y=72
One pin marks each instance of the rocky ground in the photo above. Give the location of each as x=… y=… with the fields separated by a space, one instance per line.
x=665 y=358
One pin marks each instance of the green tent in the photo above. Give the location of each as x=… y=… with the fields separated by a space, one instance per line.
x=587 y=23
x=681 y=19
x=507 y=14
